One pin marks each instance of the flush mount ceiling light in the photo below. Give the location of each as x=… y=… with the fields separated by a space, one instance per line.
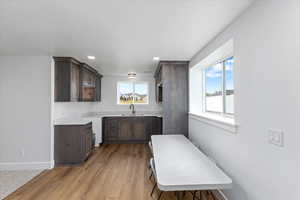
x=131 y=75
x=156 y=58
x=91 y=57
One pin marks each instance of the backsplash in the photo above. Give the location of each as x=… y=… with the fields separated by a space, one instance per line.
x=72 y=109
x=81 y=109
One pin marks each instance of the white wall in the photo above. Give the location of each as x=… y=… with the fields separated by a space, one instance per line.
x=266 y=48
x=25 y=112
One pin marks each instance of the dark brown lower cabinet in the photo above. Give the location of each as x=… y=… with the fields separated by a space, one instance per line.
x=72 y=143
x=130 y=129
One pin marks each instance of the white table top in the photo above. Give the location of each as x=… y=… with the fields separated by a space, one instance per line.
x=180 y=166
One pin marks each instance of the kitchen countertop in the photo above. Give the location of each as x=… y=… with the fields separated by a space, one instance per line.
x=87 y=118
x=136 y=115
x=120 y=114
x=72 y=121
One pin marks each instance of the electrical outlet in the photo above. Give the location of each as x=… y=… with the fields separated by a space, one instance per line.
x=276 y=137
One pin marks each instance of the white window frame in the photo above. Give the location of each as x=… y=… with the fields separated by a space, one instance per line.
x=223 y=113
x=133 y=84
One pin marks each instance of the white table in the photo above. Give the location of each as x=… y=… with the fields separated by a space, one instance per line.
x=180 y=166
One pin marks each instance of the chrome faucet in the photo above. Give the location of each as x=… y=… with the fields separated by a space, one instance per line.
x=131 y=107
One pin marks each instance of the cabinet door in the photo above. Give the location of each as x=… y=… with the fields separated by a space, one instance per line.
x=88 y=85
x=156 y=126
x=88 y=132
x=88 y=78
x=75 y=82
x=88 y=94
x=111 y=129
x=125 y=131
x=98 y=88
x=148 y=127
x=62 y=81
x=67 y=145
x=88 y=145
x=158 y=88
x=139 y=128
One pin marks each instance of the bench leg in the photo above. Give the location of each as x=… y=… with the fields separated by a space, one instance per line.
x=151 y=175
x=160 y=195
x=194 y=195
x=153 y=189
x=179 y=195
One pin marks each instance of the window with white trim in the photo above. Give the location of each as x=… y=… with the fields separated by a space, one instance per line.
x=132 y=93
x=218 y=87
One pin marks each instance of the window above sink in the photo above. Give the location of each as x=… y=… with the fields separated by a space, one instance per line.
x=132 y=93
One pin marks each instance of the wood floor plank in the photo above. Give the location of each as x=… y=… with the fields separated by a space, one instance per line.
x=113 y=172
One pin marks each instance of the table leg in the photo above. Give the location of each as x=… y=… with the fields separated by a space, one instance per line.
x=179 y=195
x=210 y=195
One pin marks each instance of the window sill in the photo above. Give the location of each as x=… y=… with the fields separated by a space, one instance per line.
x=225 y=123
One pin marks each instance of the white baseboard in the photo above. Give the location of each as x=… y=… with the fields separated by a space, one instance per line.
x=15 y=166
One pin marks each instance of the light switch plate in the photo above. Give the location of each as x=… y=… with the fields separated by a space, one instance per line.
x=276 y=137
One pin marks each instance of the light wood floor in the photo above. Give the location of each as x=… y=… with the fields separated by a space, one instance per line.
x=113 y=172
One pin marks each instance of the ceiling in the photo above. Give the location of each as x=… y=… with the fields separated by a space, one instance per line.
x=124 y=35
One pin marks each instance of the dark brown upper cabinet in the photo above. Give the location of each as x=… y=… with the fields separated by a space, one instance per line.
x=98 y=87
x=171 y=79
x=88 y=83
x=76 y=81
x=158 y=86
x=67 y=79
